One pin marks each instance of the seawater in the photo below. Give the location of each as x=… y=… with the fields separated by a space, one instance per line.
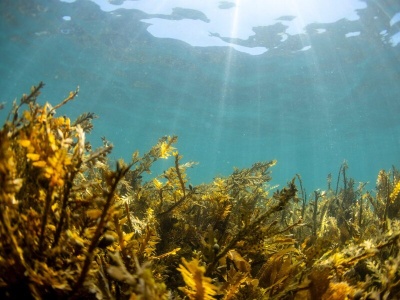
x=311 y=99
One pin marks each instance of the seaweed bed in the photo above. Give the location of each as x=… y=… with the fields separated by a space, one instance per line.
x=72 y=227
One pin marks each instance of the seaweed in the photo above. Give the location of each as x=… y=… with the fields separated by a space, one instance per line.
x=76 y=225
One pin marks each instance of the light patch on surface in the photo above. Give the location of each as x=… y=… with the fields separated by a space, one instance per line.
x=395 y=19
x=284 y=36
x=305 y=48
x=351 y=34
x=66 y=18
x=321 y=30
x=395 y=39
x=241 y=15
x=202 y=38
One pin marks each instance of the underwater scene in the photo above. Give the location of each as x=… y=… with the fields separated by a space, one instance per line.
x=200 y=149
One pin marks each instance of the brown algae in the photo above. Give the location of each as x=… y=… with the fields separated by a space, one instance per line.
x=73 y=227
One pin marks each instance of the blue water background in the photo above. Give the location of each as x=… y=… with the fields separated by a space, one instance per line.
x=310 y=110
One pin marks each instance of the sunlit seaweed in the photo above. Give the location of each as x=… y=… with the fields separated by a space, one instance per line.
x=73 y=227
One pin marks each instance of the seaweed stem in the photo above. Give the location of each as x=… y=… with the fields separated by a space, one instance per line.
x=303 y=196
x=70 y=97
x=67 y=190
x=120 y=237
x=128 y=216
x=338 y=179
x=118 y=175
x=45 y=217
x=178 y=172
x=315 y=213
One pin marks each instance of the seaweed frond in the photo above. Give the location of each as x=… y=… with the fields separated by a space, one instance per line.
x=198 y=286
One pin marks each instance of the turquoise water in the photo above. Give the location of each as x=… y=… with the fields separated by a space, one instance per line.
x=311 y=101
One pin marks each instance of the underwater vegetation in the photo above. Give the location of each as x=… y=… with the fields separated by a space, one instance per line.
x=74 y=225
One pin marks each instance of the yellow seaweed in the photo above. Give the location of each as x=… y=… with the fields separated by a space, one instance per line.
x=74 y=225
